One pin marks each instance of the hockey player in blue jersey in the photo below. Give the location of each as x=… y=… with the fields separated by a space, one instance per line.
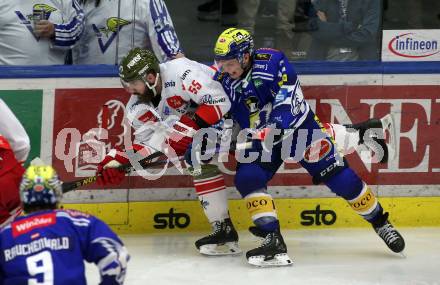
x=266 y=97
x=49 y=246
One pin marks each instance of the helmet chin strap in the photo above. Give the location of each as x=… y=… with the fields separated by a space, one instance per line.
x=242 y=65
x=245 y=68
x=153 y=87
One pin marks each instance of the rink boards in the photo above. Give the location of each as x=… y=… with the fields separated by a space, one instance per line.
x=300 y=213
x=65 y=110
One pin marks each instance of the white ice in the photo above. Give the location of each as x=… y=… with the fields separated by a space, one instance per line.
x=325 y=257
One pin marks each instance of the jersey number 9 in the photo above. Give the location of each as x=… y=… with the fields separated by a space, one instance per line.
x=40 y=263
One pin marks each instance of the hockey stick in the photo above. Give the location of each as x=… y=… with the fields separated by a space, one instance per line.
x=72 y=185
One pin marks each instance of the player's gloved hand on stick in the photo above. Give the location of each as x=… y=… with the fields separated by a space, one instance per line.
x=261 y=134
x=108 y=172
x=266 y=137
x=259 y=137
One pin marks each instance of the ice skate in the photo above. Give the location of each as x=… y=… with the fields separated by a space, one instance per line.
x=272 y=252
x=222 y=241
x=385 y=124
x=257 y=232
x=389 y=234
x=389 y=124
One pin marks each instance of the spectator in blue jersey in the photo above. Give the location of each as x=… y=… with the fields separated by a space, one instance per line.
x=38 y=32
x=346 y=30
x=113 y=28
x=266 y=99
x=49 y=246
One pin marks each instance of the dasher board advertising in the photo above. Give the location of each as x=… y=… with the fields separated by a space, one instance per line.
x=411 y=45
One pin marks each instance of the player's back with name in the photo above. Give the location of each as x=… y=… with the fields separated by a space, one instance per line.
x=50 y=244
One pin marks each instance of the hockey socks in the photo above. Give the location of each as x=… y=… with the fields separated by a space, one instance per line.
x=262 y=211
x=212 y=195
x=366 y=205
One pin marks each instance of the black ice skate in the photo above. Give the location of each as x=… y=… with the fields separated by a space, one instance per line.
x=257 y=232
x=389 y=234
x=222 y=241
x=373 y=126
x=272 y=252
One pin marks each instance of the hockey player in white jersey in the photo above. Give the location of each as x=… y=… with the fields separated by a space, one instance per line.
x=115 y=27
x=169 y=102
x=14 y=150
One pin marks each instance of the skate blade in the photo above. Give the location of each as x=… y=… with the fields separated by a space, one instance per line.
x=402 y=254
x=281 y=259
x=229 y=248
x=388 y=123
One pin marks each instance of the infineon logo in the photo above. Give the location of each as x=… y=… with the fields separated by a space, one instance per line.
x=413 y=45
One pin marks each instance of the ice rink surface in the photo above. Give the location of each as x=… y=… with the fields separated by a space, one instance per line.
x=342 y=256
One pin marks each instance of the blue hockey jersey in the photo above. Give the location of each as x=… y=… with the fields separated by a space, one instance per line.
x=268 y=94
x=49 y=247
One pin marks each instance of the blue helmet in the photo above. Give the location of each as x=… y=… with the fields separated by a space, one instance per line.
x=233 y=43
x=40 y=187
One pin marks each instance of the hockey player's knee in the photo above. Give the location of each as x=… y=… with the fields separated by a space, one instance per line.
x=346 y=183
x=249 y=178
x=204 y=171
x=261 y=208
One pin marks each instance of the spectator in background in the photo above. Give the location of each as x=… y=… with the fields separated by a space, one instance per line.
x=218 y=10
x=112 y=29
x=248 y=10
x=285 y=25
x=38 y=32
x=405 y=14
x=346 y=30
x=49 y=246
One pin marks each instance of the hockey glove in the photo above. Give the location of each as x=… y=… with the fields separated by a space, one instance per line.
x=266 y=137
x=108 y=172
x=261 y=134
x=182 y=134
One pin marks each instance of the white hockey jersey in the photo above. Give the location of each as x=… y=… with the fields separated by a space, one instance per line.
x=19 y=45
x=14 y=133
x=150 y=26
x=187 y=86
